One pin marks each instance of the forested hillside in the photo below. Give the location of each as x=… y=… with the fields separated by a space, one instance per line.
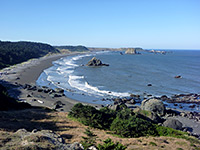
x=16 y=52
x=73 y=48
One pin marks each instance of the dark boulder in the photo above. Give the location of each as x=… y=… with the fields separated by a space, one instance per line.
x=177 y=77
x=58 y=104
x=173 y=123
x=40 y=90
x=59 y=90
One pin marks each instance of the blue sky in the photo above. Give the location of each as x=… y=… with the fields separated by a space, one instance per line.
x=157 y=24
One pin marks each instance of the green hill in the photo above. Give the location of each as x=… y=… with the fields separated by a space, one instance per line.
x=72 y=48
x=16 y=52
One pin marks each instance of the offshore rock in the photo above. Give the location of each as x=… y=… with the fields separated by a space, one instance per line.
x=96 y=62
x=131 y=51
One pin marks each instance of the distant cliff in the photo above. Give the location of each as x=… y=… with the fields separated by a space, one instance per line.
x=16 y=52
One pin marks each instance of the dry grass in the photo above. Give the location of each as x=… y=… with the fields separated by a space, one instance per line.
x=72 y=131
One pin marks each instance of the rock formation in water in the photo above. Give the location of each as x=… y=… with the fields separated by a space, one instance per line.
x=96 y=62
x=131 y=51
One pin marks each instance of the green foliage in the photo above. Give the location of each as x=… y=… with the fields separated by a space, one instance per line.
x=124 y=123
x=165 y=131
x=8 y=103
x=129 y=125
x=152 y=143
x=89 y=140
x=16 y=52
x=90 y=116
x=73 y=48
x=110 y=145
x=108 y=117
x=145 y=113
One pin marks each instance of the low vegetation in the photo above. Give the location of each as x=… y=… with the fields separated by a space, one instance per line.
x=124 y=123
x=73 y=131
x=109 y=144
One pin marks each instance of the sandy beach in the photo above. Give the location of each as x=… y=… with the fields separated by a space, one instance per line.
x=27 y=73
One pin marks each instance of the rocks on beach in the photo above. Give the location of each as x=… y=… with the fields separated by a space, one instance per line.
x=183 y=98
x=57 y=92
x=154 y=105
x=191 y=115
x=94 y=62
x=173 y=123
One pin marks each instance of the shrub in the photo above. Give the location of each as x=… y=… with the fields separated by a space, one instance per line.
x=110 y=145
x=152 y=143
x=132 y=127
x=92 y=117
x=165 y=131
x=89 y=140
x=124 y=123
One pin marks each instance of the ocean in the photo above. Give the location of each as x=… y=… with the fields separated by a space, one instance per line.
x=125 y=75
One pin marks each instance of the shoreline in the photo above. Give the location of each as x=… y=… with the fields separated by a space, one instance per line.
x=27 y=73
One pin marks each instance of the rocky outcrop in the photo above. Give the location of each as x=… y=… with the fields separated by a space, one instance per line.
x=183 y=98
x=96 y=62
x=191 y=115
x=156 y=52
x=177 y=77
x=131 y=51
x=173 y=123
x=148 y=114
x=117 y=107
x=154 y=105
x=44 y=139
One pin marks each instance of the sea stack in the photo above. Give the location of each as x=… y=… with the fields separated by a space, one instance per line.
x=96 y=62
x=131 y=51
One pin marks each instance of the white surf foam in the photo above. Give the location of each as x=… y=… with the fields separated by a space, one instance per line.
x=79 y=83
x=65 y=69
x=110 y=93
